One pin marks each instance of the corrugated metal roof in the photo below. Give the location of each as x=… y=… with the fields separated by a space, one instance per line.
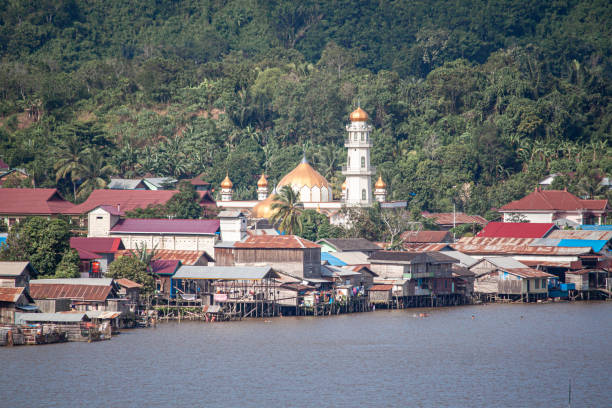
x=426 y=236
x=380 y=288
x=74 y=281
x=581 y=234
x=529 y=273
x=74 y=292
x=97 y=245
x=165 y=226
x=123 y=184
x=331 y=259
x=350 y=244
x=516 y=229
x=35 y=201
x=554 y=200
x=21 y=318
x=12 y=268
x=588 y=227
x=554 y=264
x=545 y=242
x=10 y=295
x=164 y=267
x=505 y=262
x=464 y=260
x=352 y=258
x=128 y=283
x=426 y=247
x=512 y=246
x=411 y=257
x=597 y=245
x=457 y=218
x=127 y=200
x=186 y=257
x=225 y=272
x=276 y=242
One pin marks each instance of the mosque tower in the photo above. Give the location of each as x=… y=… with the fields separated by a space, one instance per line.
x=358 y=171
x=262 y=188
x=227 y=189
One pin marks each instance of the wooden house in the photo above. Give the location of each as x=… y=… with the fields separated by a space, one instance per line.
x=14 y=300
x=16 y=274
x=380 y=294
x=508 y=278
x=289 y=254
x=590 y=283
x=85 y=293
x=129 y=289
x=427 y=273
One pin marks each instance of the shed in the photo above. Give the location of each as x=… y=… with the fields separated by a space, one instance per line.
x=380 y=294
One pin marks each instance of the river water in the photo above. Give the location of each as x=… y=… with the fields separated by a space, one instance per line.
x=506 y=355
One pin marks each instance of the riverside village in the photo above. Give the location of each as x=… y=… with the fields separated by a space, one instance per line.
x=248 y=259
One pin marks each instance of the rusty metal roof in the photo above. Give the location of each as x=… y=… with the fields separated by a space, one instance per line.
x=513 y=246
x=528 y=273
x=186 y=257
x=426 y=236
x=381 y=288
x=10 y=295
x=581 y=234
x=276 y=242
x=75 y=292
x=426 y=247
x=126 y=283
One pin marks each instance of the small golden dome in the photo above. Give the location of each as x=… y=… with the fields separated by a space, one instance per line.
x=358 y=115
x=344 y=185
x=227 y=183
x=303 y=175
x=263 y=209
x=262 y=182
x=380 y=184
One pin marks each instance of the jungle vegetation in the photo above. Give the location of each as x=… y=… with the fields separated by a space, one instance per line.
x=472 y=102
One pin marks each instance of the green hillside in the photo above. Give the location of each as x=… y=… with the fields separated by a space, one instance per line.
x=472 y=101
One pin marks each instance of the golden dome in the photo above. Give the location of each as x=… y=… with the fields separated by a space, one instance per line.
x=263 y=209
x=358 y=115
x=380 y=184
x=344 y=185
x=303 y=175
x=227 y=183
x=262 y=182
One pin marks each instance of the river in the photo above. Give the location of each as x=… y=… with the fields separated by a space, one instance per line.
x=505 y=355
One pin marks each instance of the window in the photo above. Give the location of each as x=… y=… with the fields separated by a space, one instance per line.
x=362 y=162
x=355 y=136
x=543 y=283
x=537 y=284
x=362 y=136
x=348 y=162
x=99 y=217
x=363 y=194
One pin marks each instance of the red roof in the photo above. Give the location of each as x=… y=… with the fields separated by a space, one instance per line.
x=33 y=201
x=10 y=295
x=164 y=266
x=87 y=255
x=554 y=200
x=97 y=245
x=196 y=181
x=147 y=225
x=528 y=273
x=381 y=287
x=59 y=291
x=425 y=236
x=276 y=241
x=126 y=283
x=516 y=230
x=125 y=200
x=459 y=218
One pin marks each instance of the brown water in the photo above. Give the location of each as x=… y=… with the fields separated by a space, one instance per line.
x=386 y=358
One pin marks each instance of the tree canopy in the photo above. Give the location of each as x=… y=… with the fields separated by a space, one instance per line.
x=472 y=102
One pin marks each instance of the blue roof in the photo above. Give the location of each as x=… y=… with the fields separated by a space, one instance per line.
x=596 y=227
x=332 y=260
x=597 y=245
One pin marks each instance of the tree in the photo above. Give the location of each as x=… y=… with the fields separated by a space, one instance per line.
x=316 y=226
x=40 y=241
x=287 y=209
x=70 y=161
x=131 y=268
x=184 y=204
x=69 y=265
x=92 y=173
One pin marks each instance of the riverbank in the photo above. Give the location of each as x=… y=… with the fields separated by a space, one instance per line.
x=386 y=358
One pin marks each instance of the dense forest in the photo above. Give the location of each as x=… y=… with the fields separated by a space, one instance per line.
x=472 y=101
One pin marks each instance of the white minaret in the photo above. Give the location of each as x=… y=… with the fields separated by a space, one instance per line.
x=358 y=171
x=262 y=188
x=380 y=190
x=227 y=189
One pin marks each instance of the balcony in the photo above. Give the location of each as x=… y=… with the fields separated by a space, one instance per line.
x=358 y=171
x=357 y=143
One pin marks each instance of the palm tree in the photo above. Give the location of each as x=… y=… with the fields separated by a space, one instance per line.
x=288 y=211
x=69 y=161
x=93 y=173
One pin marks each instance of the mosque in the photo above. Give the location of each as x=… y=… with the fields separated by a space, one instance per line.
x=314 y=190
